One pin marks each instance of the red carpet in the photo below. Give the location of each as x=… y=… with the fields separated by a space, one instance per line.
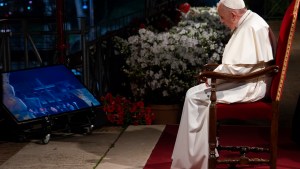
x=288 y=153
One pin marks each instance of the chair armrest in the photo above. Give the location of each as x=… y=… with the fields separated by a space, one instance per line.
x=210 y=66
x=225 y=76
x=207 y=67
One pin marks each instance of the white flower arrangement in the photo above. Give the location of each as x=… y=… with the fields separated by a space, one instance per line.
x=162 y=66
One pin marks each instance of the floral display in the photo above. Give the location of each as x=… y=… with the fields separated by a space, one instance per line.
x=121 y=111
x=161 y=66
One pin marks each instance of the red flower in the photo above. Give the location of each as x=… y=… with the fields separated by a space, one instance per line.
x=142 y=26
x=185 y=7
x=121 y=111
x=140 y=104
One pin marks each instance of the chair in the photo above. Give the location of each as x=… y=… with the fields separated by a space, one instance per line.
x=265 y=109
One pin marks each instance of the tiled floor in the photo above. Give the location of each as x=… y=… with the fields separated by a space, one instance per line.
x=8 y=149
x=106 y=148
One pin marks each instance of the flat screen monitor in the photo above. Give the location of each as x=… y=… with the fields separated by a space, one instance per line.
x=32 y=94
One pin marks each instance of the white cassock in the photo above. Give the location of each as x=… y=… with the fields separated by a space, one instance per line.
x=248 y=50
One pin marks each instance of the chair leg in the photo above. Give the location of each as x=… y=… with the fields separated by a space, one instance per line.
x=273 y=152
x=212 y=163
x=232 y=166
x=274 y=139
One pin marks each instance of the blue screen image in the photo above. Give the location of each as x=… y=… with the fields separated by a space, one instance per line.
x=44 y=91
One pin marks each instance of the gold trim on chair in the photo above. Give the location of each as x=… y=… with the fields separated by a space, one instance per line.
x=288 y=51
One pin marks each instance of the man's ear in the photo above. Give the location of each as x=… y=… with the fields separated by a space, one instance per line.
x=233 y=16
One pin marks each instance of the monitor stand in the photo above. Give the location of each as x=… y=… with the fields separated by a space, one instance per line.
x=1 y=91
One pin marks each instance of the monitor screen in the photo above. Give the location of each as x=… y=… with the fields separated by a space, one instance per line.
x=44 y=91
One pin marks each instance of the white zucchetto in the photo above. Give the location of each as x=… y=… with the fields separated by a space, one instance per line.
x=233 y=4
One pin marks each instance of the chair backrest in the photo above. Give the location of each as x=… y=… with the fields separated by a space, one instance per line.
x=283 y=50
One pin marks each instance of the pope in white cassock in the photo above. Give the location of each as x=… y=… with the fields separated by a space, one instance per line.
x=248 y=50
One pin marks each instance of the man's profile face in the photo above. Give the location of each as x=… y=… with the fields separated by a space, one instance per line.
x=226 y=17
